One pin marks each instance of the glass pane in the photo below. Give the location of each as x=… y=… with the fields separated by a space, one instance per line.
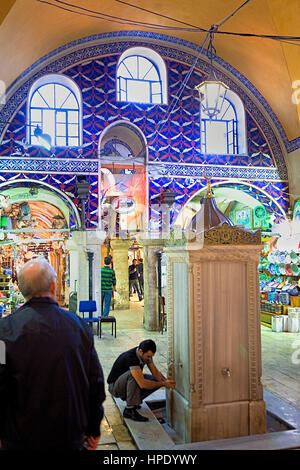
x=61 y=130
x=73 y=117
x=61 y=141
x=49 y=123
x=156 y=87
x=131 y=64
x=37 y=101
x=61 y=93
x=73 y=141
x=47 y=92
x=61 y=117
x=138 y=91
x=34 y=140
x=72 y=130
x=36 y=115
x=144 y=66
x=122 y=96
x=227 y=111
x=123 y=71
x=156 y=99
x=216 y=137
x=70 y=102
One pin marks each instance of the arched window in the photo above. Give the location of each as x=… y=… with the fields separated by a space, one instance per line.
x=54 y=104
x=141 y=77
x=225 y=133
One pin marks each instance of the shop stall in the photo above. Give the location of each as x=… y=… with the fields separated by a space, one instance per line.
x=14 y=254
x=279 y=273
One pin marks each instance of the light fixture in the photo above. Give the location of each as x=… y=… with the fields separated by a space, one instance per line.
x=43 y=139
x=211 y=91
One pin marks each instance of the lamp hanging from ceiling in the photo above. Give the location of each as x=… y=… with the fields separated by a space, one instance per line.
x=212 y=91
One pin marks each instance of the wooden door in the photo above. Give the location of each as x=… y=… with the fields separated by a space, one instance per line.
x=225 y=332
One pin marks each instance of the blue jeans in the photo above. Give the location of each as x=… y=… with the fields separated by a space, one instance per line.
x=106 y=296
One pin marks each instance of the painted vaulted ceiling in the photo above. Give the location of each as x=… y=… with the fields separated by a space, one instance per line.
x=29 y=29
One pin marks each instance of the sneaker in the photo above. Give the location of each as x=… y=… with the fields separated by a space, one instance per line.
x=133 y=414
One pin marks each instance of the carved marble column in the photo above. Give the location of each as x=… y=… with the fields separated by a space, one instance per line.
x=214 y=344
x=78 y=264
x=151 y=314
x=120 y=258
x=94 y=242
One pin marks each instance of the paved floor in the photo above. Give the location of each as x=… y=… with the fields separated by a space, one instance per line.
x=280 y=357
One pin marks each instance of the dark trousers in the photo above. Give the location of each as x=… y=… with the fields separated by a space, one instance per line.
x=134 y=283
x=126 y=388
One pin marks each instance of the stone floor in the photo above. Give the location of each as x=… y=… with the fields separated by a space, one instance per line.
x=280 y=358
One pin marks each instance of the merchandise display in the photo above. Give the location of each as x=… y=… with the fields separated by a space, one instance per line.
x=13 y=256
x=279 y=275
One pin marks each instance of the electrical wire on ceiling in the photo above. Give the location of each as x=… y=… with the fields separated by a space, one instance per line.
x=214 y=29
x=70 y=7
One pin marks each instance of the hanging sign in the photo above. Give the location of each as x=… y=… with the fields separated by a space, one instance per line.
x=123 y=204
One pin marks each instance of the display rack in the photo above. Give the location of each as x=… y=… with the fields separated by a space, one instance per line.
x=279 y=284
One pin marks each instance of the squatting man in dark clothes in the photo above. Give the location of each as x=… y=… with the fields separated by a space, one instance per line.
x=51 y=384
x=127 y=381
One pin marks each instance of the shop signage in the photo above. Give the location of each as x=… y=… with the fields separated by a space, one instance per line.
x=123 y=204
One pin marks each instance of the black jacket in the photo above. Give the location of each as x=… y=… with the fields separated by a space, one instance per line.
x=52 y=384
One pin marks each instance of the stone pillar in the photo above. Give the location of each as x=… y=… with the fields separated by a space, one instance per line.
x=120 y=259
x=94 y=242
x=78 y=264
x=151 y=313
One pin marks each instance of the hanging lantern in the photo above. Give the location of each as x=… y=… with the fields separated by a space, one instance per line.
x=211 y=91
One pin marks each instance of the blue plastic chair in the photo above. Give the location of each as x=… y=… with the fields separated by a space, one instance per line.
x=89 y=306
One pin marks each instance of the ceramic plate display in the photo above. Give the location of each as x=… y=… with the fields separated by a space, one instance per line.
x=281 y=257
x=294 y=257
x=288 y=270
x=295 y=269
x=271 y=257
x=288 y=258
x=271 y=268
x=282 y=268
x=277 y=270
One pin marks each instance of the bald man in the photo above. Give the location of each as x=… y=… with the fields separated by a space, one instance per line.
x=51 y=384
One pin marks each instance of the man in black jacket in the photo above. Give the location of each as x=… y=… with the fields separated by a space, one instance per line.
x=51 y=384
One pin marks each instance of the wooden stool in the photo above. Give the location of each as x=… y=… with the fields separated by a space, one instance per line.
x=111 y=320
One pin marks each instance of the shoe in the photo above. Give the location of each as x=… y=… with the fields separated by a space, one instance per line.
x=133 y=414
x=138 y=407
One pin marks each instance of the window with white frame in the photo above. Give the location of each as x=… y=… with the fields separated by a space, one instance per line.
x=141 y=77
x=225 y=133
x=54 y=104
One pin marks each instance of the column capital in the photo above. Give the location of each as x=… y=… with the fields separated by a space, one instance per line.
x=120 y=244
x=152 y=242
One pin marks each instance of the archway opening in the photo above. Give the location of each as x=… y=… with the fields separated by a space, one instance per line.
x=35 y=222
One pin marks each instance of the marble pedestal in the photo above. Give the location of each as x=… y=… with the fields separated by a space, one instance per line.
x=214 y=342
x=151 y=310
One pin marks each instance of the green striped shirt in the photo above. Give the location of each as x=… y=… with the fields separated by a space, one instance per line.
x=108 y=278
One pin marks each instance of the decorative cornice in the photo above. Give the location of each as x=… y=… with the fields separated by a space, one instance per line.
x=231 y=235
x=48 y=165
x=157 y=170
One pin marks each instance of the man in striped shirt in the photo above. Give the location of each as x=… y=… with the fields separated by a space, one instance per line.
x=108 y=285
